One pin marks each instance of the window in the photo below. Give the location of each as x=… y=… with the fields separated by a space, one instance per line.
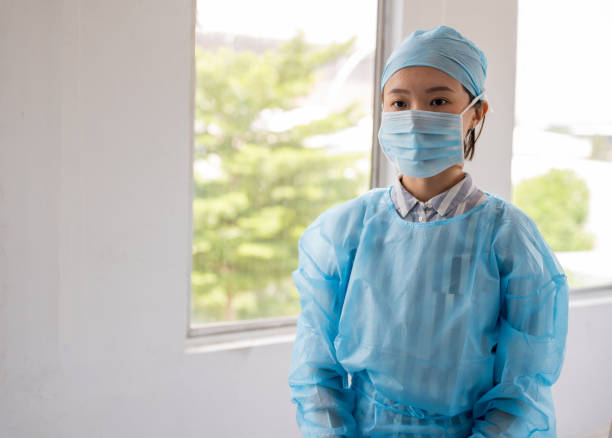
x=282 y=131
x=562 y=150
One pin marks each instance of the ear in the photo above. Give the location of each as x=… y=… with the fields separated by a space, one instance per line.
x=479 y=113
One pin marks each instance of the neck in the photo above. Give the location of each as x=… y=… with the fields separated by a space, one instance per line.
x=426 y=188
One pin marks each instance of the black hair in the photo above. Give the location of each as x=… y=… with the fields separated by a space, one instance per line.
x=469 y=142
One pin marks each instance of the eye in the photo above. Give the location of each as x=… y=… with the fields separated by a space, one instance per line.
x=398 y=104
x=438 y=102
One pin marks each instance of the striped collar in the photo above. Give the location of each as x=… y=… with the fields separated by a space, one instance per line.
x=444 y=203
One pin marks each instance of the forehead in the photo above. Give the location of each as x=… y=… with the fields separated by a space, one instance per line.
x=415 y=78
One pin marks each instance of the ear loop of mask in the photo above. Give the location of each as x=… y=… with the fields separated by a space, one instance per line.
x=472 y=103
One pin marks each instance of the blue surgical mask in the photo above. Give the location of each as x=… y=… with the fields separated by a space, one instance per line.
x=422 y=143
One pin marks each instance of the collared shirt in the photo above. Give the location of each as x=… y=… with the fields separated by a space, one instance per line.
x=453 y=202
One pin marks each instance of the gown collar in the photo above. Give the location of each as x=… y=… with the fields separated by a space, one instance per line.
x=444 y=203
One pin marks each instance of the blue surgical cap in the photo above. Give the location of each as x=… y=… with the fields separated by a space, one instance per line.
x=443 y=48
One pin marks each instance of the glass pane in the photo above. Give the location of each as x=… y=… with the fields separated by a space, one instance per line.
x=283 y=131
x=562 y=157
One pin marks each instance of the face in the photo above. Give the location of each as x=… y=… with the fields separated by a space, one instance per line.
x=430 y=89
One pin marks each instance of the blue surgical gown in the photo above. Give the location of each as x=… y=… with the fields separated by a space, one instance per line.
x=452 y=328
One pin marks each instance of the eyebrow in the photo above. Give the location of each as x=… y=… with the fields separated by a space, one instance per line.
x=429 y=90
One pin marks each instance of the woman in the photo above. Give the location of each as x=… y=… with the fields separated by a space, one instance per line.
x=442 y=303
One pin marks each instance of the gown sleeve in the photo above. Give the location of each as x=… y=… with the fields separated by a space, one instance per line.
x=319 y=383
x=533 y=328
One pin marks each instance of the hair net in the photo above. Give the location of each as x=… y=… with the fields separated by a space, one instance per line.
x=443 y=48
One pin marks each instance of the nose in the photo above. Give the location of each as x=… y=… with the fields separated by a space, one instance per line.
x=416 y=104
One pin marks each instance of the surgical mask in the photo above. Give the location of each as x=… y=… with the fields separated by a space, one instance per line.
x=422 y=143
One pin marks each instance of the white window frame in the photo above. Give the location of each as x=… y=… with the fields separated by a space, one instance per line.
x=248 y=333
x=394 y=20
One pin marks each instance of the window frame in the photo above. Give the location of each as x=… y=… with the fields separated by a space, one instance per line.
x=391 y=24
x=245 y=333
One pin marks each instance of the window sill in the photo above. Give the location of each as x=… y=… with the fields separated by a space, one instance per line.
x=588 y=297
x=257 y=333
x=240 y=335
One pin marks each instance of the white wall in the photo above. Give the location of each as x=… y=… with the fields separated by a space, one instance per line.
x=95 y=234
x=95 y=229
x=583 y=393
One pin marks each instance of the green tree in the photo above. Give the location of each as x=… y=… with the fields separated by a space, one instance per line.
x=271 y=186
x=558 y=202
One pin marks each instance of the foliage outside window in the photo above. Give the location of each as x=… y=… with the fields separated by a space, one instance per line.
x=262 y=183
x=558 y=202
